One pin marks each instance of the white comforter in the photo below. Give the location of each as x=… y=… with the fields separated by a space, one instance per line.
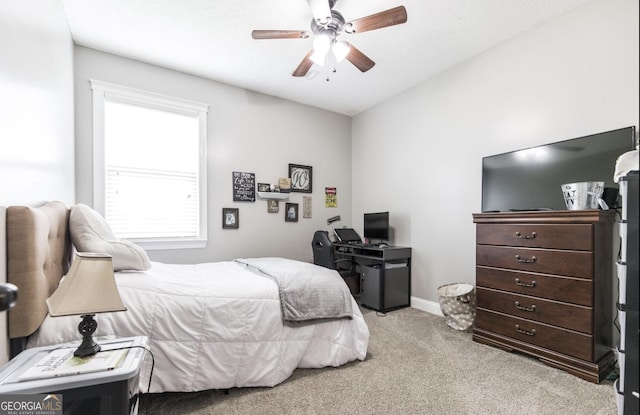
x=215 y=326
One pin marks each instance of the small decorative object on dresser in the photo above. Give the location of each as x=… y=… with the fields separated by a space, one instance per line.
x=544 y=287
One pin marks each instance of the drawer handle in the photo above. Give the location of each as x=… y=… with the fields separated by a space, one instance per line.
x=521 y=236
x=524 y=308
x=528 y=333
x=525 y=284
x=525 y=260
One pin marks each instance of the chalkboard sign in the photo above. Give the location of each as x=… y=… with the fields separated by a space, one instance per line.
x=244 y=187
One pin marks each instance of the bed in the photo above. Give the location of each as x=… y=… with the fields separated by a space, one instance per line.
x=210 y=326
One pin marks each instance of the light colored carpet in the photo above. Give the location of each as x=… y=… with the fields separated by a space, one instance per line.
x=416 y=365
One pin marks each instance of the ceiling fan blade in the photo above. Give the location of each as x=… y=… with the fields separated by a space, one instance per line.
x=304 y=66
x=386 y=18
x=321 y=11
x=359 y=59
x=280 y=34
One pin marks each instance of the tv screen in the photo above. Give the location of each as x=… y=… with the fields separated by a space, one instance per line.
x=376 y=226
x=531 y=179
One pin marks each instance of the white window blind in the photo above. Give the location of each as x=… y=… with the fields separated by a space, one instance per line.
x=166 y=207
x=152 y=167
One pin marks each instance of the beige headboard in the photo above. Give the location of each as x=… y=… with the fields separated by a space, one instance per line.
x=38 y=255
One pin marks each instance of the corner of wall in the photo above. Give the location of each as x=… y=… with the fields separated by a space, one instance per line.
x=4 y=342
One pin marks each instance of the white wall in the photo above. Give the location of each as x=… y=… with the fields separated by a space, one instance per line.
x=419 y=154
x=247 y=132
x=36 y=112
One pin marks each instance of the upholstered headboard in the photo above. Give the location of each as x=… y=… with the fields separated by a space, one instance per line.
x=38 y=255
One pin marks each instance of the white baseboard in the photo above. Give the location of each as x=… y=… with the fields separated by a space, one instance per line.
x=426 y=305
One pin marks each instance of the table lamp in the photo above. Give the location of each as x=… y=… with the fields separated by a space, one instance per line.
x=87 y=289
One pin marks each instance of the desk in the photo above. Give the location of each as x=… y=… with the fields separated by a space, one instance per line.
x=112 y=391
x=385 y=274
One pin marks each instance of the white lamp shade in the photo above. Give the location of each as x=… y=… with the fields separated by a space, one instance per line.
x=88 y=288
x=321 y=43
x=340 y=50
x=318 y=58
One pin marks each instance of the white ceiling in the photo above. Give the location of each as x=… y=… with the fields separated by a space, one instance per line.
x=212 y=39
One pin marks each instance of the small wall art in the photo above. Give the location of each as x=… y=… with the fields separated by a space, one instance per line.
x=330 y=197
x=230 y=218
x=273 y=206
x=244 y=187
x=306 y=207
x=301 y=178
x=291 y=212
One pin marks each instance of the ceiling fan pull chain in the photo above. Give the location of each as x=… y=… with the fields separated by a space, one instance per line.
x=328 y=64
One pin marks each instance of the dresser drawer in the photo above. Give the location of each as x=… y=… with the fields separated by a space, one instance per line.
x=568 y=316
x=563 y=341
x=559 y=288
x=570 y=263
x=576 y=237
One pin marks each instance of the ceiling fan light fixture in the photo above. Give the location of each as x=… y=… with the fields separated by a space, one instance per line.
x=340 y=50
x=318 y=57
x=321 y=43
x=327 y=26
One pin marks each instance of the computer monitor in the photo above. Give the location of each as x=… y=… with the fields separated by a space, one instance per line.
x=376 y=226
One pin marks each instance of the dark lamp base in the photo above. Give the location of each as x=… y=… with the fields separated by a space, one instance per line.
x=87 y=327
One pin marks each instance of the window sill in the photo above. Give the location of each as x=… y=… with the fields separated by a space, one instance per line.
x=160 y=244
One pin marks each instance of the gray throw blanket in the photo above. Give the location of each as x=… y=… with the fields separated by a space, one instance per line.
x=308 y=293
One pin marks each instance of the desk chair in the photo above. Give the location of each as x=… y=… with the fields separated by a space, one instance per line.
x=324 y=255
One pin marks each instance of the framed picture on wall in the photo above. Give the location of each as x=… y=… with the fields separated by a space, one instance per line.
x=230 y=218
x=291 y=212
x=244 y=187
x=273 y=206
x=301 y=178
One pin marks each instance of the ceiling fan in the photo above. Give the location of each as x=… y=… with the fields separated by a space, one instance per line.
x=327 y=26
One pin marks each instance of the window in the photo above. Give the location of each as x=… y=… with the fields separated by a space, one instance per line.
x=150 y=166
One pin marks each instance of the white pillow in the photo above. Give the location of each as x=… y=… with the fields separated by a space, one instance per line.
x=91 y=233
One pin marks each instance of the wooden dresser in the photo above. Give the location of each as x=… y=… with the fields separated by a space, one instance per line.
x=544 y=287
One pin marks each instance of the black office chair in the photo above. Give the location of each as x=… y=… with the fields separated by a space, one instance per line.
x=325 y=256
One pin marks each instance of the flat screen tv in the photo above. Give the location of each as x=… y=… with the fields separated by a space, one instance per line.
x=376 y=226
x=531 y=179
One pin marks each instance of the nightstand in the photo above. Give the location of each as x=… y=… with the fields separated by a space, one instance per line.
x=105 y=392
